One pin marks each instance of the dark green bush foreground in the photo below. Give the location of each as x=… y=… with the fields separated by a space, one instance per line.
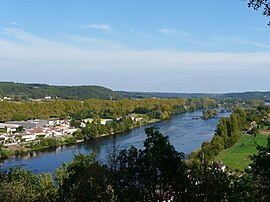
x=156 y=173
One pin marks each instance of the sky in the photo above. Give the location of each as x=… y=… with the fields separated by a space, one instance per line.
x=209 y=46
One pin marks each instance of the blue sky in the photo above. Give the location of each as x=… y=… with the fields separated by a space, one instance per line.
x=136 y=45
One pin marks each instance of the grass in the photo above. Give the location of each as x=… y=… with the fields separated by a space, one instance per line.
x=237 y=157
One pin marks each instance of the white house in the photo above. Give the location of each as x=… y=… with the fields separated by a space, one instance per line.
x=138 y=119
x=105 y=121
x=29 y=137
x=88 y=120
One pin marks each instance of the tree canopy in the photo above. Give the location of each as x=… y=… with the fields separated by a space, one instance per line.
x=264 y=5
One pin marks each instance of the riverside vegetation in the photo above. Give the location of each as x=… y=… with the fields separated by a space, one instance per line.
x=120 y=113
x=229 y=130
x=208 y=114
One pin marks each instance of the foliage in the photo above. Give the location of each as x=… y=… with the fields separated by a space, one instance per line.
x=140 y=173
x=207 y=114
x=20 y=185
x=233 y=97
x=84 y=179
x=207 y=183
x=261 y=4
x=65 y=92
x=260 y=170
x=229 y=130
x=78 y=110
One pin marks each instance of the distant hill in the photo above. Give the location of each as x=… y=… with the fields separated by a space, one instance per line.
x=245 y=95
x=166 y=95
x=249 y=95
x=37 y=91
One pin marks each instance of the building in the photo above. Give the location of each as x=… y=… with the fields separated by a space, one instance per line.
x=10 y=128
x=221 y=166
x=88 y=120
x=105 y=121
x=30 y=123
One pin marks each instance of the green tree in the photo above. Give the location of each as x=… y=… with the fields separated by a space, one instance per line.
x=84 y=179
x=260 y=171
x=150 y=174
x=207 y=183
x=20 y=185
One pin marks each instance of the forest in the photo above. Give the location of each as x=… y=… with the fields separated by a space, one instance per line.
x=103 y=108
x=21 y=91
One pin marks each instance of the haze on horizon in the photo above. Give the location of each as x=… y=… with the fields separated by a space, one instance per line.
x=152 y=46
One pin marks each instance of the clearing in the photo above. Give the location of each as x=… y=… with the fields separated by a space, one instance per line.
x=237 y=157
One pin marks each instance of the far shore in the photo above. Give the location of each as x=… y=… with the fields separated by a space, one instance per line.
x=19 y=149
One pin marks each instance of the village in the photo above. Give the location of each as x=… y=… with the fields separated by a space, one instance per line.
x=15 y=132
x=23 y=132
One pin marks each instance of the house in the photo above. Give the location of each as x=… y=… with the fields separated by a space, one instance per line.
x=134 y=117
x=88 y=120
x=138 y=119
x=51 y=123
x=221 y=166
x=105 y=121
x=102 y=121
x=10 y=128
x=70 y=131
x=28 y=137
x=7 y=98
x=32 y=134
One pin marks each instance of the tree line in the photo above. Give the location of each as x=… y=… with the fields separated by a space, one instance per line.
x=94 y=107
x=21 y=91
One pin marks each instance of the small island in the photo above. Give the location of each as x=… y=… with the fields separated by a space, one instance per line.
x=209 y=113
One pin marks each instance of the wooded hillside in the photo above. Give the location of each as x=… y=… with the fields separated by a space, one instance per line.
x=37 y=91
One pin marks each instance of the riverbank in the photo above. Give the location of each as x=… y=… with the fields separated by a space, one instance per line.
x=24 y=149
x=237 y=156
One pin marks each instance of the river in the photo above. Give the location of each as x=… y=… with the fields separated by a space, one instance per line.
x=185 y=133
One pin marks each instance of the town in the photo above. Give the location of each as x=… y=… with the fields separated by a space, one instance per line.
x=18 y=135
x=15 y=132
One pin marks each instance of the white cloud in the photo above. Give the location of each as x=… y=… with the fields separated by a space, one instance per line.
x=93 y=26
x=250 y=43
x=174 y=31
x=28 y=58
x=93 y=43
x=104 y=27
x=166 y=30
x=14 y=23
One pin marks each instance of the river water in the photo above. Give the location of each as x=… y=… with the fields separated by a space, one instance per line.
x=185 y=133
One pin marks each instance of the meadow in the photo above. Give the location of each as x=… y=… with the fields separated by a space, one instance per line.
x=237 y=157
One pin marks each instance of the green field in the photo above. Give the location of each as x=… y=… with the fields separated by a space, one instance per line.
x=237 y=157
